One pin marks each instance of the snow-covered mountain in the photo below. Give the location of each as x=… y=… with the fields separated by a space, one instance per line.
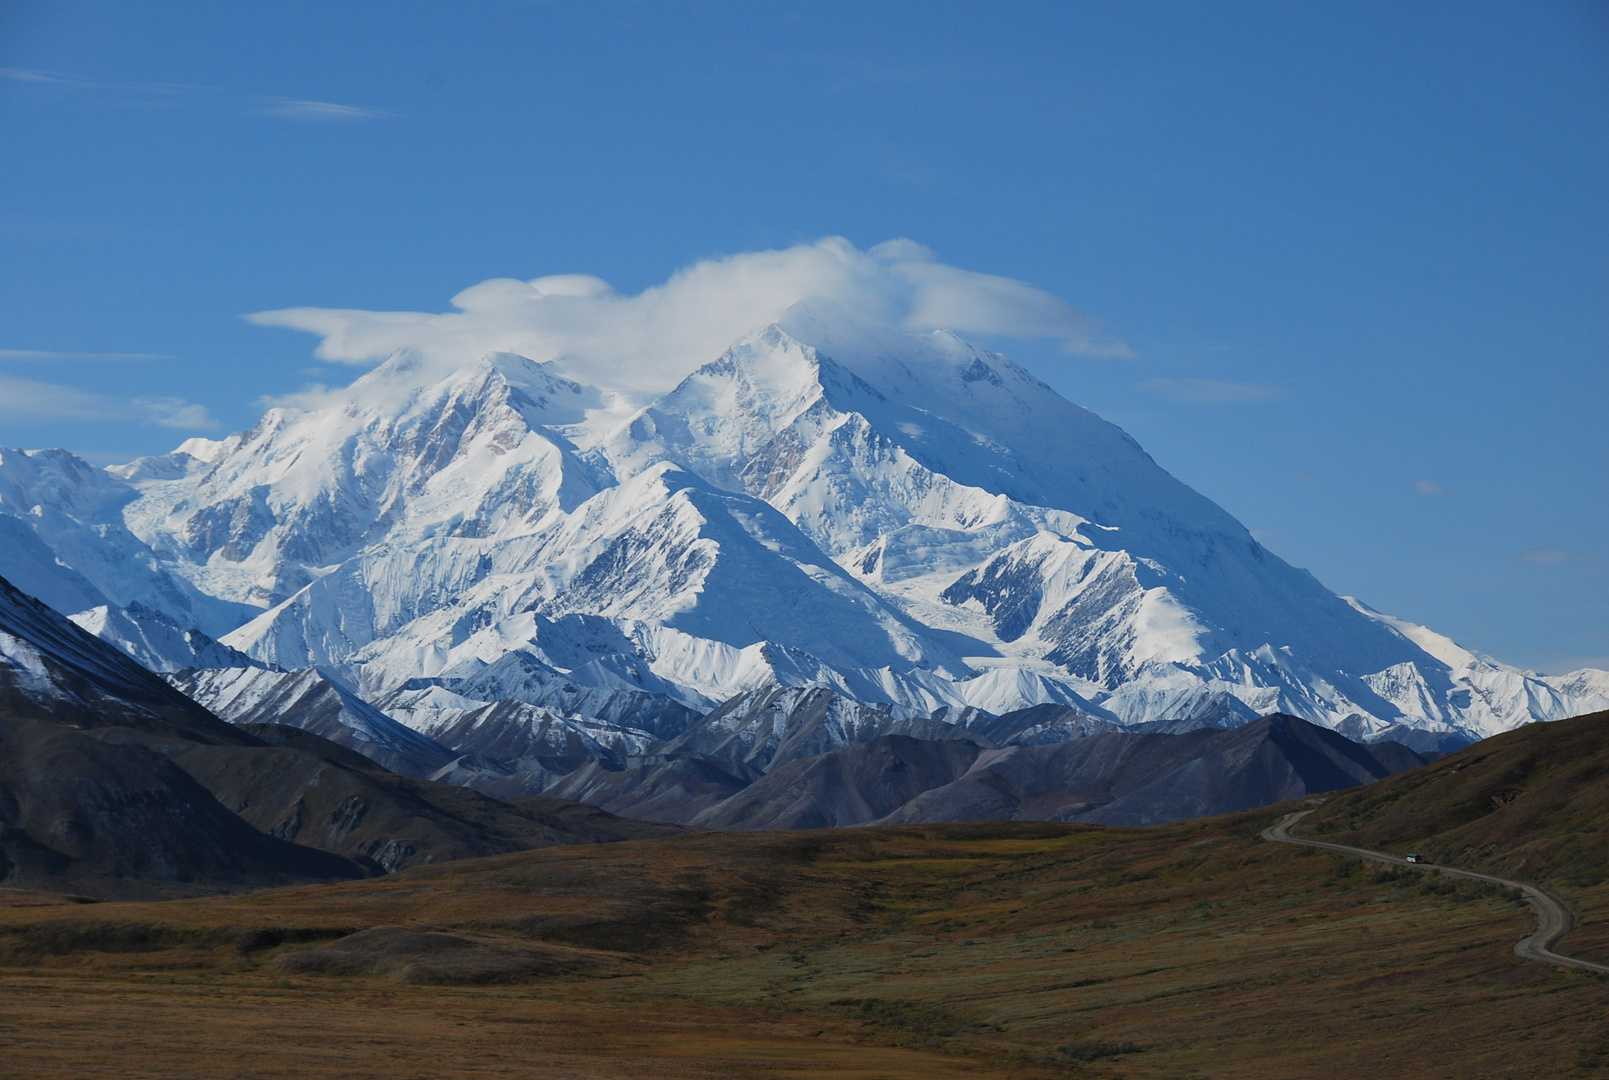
x=307 y=700
x=63 y=540
x=909 y=521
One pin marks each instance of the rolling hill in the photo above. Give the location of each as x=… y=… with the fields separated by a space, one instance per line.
x=1527 y=804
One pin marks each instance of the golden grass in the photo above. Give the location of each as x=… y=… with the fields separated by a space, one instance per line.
x=982 y=950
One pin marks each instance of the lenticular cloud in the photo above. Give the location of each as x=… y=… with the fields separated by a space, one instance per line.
x=646 y=343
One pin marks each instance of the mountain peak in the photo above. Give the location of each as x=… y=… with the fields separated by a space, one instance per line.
x=908 y=519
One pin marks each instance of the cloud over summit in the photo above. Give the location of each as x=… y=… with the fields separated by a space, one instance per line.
x=647 y=342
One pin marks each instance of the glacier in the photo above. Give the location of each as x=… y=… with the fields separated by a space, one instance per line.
x=918 y=525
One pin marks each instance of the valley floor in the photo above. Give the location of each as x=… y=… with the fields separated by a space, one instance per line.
x=979 y=950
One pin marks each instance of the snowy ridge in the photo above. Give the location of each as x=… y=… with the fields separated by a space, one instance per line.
x=63 y=539
x=910 y=522
x=156 y=642
x=314 y=702
x=49 y=667
x=44 y=657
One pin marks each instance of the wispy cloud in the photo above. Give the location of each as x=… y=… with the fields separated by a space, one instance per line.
x=1554 y=557
x=323 y=111
x=1099 y=350
x=171 y=94
x=1425 y=486
x=23 y=400
x=311 y=396
x=25 y=75
x=43 y=356
x=1213 y=391
x=647 y=342
x=172 y=412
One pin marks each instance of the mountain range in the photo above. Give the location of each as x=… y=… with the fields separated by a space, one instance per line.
x=113 y=783
x=505 y=577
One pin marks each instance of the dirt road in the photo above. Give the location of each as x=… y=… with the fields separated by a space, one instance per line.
x=1554 y=920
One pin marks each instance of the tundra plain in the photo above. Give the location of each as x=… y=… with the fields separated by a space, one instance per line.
x=999 y=949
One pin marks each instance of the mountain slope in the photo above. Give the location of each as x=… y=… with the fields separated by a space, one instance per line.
x=1108 y=777
x=311 y=701
x=908 y=521
x=860 y=444
x=107 y=817
x=297 y=790
x=1526 y=803
x=52 y=670
x=757 y=734
x=89 y=801
x=63 y=538
x=851 y=786
x=112 y=782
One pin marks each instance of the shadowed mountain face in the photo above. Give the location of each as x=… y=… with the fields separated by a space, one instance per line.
x=1108 y=776
x=804 y=758
x=309 y=791
x=114 y=818
x=52 y=670
x=845 y=787
x=89 y=801
x=113 y=783
x=313 y=702
x=761 y=731
x=1122 y=778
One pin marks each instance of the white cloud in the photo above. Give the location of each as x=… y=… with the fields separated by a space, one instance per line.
x=1428 y=487
x=172 y=412
x=647 y=342
x=310 y=397
x=1212 y=391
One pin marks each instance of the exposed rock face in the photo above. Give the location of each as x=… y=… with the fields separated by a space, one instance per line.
x=758 y=732
x=844 y=787
x=52 y=670
x=760 y=763
x=310 y=791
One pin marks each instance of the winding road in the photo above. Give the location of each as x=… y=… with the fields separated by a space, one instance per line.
x=1553 y=918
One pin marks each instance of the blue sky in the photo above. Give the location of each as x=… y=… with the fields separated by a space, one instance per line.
x=1360 y=252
